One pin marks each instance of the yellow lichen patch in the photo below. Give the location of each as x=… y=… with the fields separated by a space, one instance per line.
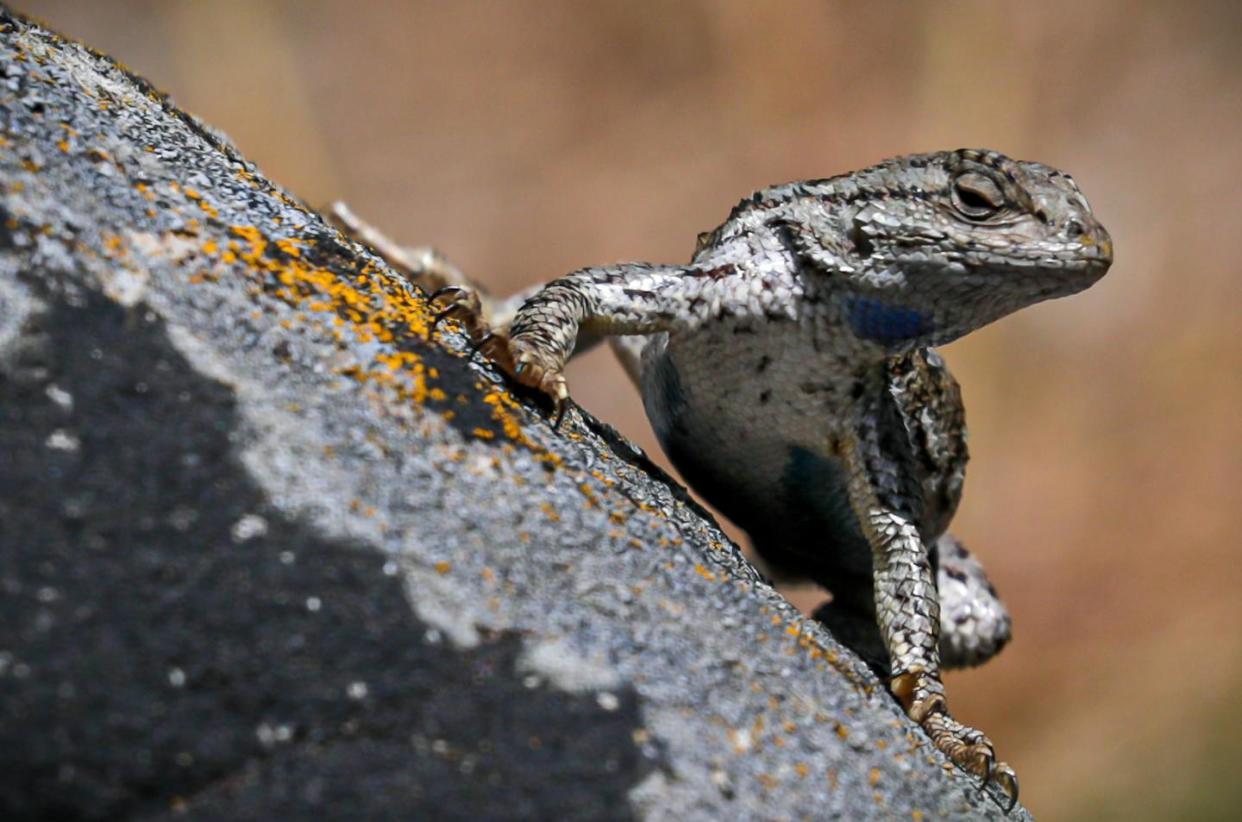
x=873 y=777
x=114 y=245
x=504 y=411
x=291 y=247
x=550 y=512
x=549 y=459
x=801 y=769
x=706 y=574
x=368 y=304
x=443 y=567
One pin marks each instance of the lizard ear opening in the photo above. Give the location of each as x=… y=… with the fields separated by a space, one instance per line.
x=861 y=242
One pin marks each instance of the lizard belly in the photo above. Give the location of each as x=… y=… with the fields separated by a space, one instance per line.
x=747 y=422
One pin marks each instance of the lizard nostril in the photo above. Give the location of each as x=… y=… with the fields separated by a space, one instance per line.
x=1074 y=228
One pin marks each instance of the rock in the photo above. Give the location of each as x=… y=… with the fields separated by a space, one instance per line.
x=268 y=551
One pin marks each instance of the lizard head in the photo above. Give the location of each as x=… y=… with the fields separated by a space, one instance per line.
x=954 y=240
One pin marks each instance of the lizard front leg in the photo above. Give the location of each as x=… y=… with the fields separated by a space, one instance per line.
x=887 y=499
x=576 y=311
x=531 y=334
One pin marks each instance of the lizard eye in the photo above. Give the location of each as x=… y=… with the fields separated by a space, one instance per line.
x=977 y=196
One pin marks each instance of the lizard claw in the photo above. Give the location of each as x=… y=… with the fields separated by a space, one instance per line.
x=966 y=747
x=535 y=368
x=1004 y=776
x=529 y=365
x=462 y=304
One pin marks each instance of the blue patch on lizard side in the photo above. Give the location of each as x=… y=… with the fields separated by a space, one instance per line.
x=663 y=398
x=879 y=322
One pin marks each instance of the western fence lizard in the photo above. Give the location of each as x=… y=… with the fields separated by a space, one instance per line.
x=789 y=375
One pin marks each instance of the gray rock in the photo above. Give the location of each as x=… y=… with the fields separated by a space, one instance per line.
x=266 y=551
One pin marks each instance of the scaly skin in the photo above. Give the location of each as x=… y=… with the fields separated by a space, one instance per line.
x=788 y=372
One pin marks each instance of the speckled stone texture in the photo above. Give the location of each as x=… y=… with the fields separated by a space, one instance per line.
x=267 y=552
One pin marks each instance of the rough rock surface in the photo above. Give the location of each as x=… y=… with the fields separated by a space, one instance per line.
x=266 y=551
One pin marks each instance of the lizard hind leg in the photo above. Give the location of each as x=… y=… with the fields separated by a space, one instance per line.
x=430 y=271
x=422 y=265
x=974 y=623
x=485 y=318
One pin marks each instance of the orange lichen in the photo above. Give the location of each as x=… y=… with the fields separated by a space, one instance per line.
x=368 y=308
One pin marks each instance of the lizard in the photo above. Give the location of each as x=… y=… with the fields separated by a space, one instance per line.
x=790 y=375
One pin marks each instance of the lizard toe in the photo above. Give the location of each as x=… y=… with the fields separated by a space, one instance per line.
x=970 y=750
x=463 y=304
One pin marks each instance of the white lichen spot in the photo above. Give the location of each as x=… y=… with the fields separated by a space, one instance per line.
x=249 y=527
x=357 y=690
x=313 y=604
x=270 y=735
x=607 y=700
x=58 y=395
x=567 y=669
x=63 y=440
x=176 y=677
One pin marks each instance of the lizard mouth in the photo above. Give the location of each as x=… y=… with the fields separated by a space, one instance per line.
x=1099 y=240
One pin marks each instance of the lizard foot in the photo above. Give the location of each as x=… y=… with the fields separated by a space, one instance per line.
x=966 y=747
x=524 y=362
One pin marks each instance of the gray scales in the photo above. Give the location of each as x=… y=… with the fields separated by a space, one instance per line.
x=789 y=374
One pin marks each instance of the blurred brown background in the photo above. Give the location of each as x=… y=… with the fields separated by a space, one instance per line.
x=525 y=139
